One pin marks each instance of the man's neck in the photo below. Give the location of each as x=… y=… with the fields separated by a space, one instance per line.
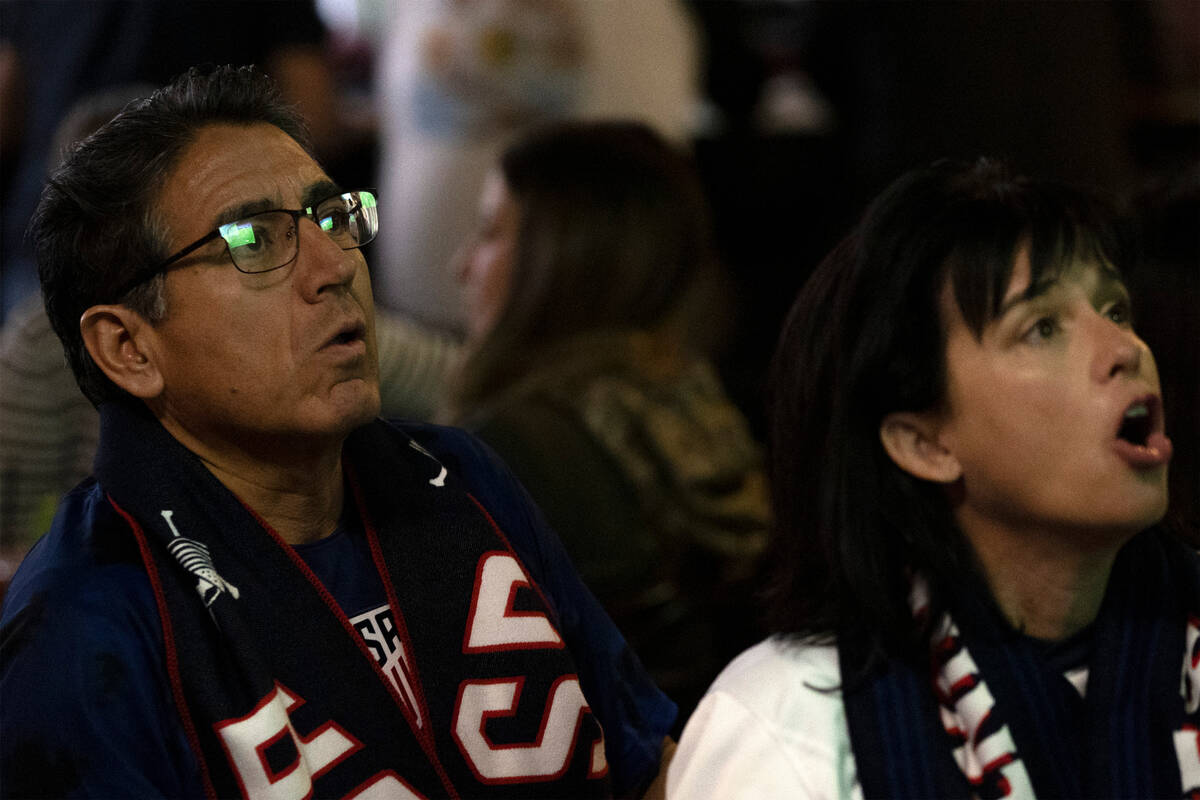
x=296 y=488
x=301 y=505
x=1049 y=584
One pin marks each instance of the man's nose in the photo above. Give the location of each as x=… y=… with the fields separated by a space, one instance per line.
x=324 y=264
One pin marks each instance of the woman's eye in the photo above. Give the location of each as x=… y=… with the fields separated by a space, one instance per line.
x=1120 y=313
x=1044 y=328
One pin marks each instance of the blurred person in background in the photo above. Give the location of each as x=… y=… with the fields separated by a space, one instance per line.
x=972 y=593
x=52 y=54
x=457 y=80
x=587 y=284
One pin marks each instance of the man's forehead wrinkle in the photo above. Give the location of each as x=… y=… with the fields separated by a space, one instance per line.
x=316 y=191
x=229 y=172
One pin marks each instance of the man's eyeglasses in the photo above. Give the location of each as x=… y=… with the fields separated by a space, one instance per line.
x=270 y=240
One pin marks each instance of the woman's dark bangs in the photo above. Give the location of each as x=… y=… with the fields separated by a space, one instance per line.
x=1077 y=234
x=1059 y=229
x=980 y=267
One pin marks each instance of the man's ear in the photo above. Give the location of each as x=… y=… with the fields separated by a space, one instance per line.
x=911 y=440
x=118 y=340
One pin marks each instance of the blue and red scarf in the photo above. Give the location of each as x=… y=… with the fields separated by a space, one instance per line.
x=989 y=717
x=277 y=692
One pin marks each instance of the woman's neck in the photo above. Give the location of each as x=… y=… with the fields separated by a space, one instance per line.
x=1048 y=584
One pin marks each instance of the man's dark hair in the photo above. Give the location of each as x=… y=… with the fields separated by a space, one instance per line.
x=866 y=338
x=97 y=224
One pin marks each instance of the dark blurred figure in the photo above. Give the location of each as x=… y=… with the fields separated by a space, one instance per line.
x=590 y=274
x=1168 y=291
x=53 y=53
x=1162 y=54
x=48 y=429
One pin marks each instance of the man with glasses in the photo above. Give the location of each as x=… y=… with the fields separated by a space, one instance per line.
x=265 y=591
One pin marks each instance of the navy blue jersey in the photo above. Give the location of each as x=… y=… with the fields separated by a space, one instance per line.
x=83 y=671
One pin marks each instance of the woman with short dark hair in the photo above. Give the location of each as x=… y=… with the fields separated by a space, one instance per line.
x=972 y=595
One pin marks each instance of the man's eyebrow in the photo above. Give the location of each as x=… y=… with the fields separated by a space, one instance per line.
x=244 y=210
x=321 y=190
x=314 y=193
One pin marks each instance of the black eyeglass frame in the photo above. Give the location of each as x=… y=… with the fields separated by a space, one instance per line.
x=308 y=213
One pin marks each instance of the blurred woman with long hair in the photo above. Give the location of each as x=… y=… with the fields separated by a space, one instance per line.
x=588 y=285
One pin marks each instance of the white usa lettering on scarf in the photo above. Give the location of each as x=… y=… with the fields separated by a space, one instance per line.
x=378 y=630
x=493 y=624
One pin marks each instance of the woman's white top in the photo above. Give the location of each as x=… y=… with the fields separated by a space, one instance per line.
x=772 y=725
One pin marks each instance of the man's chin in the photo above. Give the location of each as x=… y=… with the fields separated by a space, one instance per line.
x=354 y=404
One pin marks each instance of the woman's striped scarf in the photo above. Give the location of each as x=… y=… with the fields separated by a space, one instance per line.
x=989 y=717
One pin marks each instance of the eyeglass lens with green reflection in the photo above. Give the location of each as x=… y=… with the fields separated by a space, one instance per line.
x=270 y=240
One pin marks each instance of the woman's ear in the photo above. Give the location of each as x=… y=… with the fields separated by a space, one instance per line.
x=118 y=340
x=911 y=440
